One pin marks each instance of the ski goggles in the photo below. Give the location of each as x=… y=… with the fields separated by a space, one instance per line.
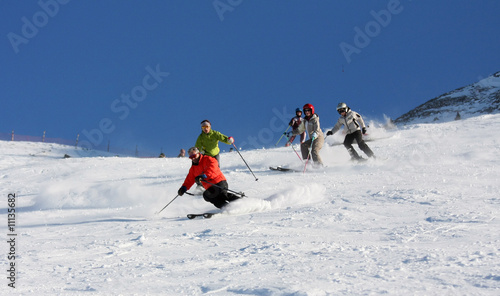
x=307 y=110
x=341 y=111
x=193 y=152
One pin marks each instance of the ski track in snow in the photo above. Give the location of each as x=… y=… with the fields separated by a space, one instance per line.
x=422 y=219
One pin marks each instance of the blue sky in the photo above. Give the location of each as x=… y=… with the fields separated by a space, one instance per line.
x=146 y=73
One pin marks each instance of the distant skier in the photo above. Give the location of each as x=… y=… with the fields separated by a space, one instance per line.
x=355 y=129
x=208 y=140
x=206 y=172
x=294 y=123
x=182 y=153
x=310 y=124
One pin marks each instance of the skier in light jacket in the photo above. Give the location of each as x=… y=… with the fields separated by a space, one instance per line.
x=355 y=129
x=310 y=124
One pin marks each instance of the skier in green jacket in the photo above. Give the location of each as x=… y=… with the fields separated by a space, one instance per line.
x=208 y=140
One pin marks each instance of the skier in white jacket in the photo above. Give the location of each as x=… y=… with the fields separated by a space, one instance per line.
x=355 y=127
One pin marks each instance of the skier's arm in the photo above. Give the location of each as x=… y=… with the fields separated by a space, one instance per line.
x=211 y=169
x=221 y=137
x=316 y=126
x=362 y=123
x=189 y=181
x=336 y=127
x=360 y=120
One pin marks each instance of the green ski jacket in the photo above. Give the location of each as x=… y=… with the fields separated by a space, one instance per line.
x=209 y=143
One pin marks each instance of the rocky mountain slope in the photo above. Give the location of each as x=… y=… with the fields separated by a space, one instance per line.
x=482 y=97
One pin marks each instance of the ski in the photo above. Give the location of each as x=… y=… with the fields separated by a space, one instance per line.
x=282 y=169
x=204 y=215
x=359 y=160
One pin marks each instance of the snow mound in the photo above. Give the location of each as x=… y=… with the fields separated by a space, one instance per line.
x=293 y=196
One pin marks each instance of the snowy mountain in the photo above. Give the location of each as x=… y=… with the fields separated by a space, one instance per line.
x=421 y=219
x=482 y=97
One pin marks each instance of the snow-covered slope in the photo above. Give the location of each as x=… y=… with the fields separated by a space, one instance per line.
x=422 y=219
x=482 y=97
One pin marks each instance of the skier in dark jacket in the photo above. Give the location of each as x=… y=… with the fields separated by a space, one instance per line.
x=355 y=129
x=295 y=123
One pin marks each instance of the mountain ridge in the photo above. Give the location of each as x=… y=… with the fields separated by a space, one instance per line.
x=482 y=97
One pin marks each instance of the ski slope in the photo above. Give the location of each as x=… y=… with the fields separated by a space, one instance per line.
x=422 y=219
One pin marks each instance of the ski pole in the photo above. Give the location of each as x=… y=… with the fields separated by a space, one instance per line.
x=294 y=149
x=167 y=204
x=232 y=191
x=245 y=162
x=282 y=136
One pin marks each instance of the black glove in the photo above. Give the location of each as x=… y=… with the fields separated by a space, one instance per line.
x=182 y=190
x=329 y=133
x=199 y=178
x=363 y=130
